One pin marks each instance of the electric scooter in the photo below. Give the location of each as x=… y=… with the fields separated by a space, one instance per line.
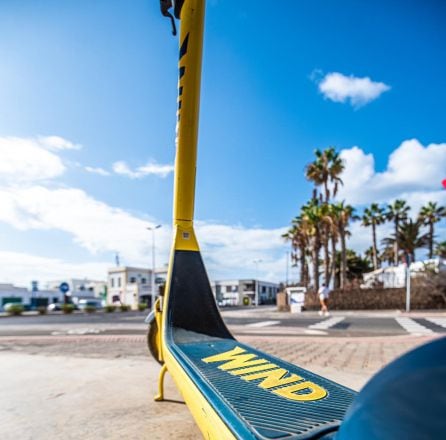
x=235 y=391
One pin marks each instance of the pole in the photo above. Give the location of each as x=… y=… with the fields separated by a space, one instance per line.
x=152 y=278
x=408 y=283
x=287 y=265
x=256 y=284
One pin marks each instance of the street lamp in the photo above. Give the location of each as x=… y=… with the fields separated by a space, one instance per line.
x=153 y=228
x=256 y=262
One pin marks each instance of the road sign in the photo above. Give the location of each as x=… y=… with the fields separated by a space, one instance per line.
x=64 y=287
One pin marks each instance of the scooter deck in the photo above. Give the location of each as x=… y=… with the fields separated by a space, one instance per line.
x=257 y=395
x=251 y=390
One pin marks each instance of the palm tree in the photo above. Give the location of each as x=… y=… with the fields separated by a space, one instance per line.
x=325 y=234
x=440 y=249
x=396 y=213
x=368 y=255
x=344 y=214
x=388 y=253
x=373 y=217
x=311 y=217
x=429 y=215
x=326 y=169
x=299 y=238
x=409 y=237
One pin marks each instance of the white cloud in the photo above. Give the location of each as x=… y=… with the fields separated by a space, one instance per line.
x=20 y=268
x=97 y=170
x=414 y=172
x=57 y=143
x=230 y=250
x=29 y=203
x=151 y=168
x=100 y=228
x=358 y=91
x=27 y=160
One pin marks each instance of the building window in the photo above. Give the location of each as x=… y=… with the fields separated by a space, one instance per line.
x=143 y=281
x=263 y=289
x=119 y=282
x=132 y=279
x=112 y=282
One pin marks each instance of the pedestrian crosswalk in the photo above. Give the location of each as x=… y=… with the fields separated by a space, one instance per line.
x=263 y=324
x=413 y=327
x=327 y=323
x=438 y=321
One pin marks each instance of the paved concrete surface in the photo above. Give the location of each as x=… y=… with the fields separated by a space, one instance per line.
x=90 y=376
x=102 y=386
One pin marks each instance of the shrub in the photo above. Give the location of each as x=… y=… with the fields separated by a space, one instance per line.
x=68 y=308
x=90 y=309
x=41 y=310
x=109 y=308
x=124 y=308
x=142 y=307
x=15 y=309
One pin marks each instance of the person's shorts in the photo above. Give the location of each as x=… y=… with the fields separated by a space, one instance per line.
x=322 y=297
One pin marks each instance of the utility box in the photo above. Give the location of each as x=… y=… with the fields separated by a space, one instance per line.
x=296 y=298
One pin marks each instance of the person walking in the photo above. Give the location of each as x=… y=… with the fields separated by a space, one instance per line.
x=324 y=293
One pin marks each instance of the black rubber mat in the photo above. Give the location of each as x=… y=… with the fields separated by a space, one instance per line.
x=264 y=412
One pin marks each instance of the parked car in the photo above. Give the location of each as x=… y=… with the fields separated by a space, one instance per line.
x=85 y=303
x=54 y=307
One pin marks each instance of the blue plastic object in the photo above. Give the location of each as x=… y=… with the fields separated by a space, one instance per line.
x=406 y=400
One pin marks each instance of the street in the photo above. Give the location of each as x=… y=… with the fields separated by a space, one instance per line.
x=264 y=321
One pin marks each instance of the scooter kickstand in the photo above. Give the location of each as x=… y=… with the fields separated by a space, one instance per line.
x=160 y=396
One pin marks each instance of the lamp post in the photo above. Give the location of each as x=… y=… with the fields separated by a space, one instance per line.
x=256 y=262
x=153 y=228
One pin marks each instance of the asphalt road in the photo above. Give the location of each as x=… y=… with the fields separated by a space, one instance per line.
x=257 y=322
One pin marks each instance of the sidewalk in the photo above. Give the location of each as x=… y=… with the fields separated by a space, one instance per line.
x=102 y=386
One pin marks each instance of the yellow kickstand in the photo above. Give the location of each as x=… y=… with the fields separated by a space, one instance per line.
x=160 y=396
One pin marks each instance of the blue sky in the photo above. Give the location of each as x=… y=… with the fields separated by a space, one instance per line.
x=88 y=97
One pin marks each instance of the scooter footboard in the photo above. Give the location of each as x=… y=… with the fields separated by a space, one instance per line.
x=259 y=396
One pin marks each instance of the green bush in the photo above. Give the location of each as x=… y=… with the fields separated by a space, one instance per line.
x=246 y=301
x=109 y=308
x=90 y=309
x=68 y=308
x=124 y=308
x=41 y=310
x=142 y=307
x=15 y=309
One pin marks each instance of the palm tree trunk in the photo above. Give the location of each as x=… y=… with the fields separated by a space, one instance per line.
x=333 y=260
x=315 y=258
x=343 y=259
x=395 y=245
x=326 y=258
x=302 y=264
x=375 y=256
x=327 y=193
x=431 y=239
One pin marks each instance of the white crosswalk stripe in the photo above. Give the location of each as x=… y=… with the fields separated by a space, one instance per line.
x=327 y=323
x=263 y=324
x=438 y=321
x=413 y=327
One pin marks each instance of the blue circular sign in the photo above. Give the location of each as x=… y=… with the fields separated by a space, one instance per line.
x=64 y=287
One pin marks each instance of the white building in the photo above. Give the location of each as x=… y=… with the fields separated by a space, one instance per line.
x=81 y=288
x=395 y=276
x=239 y=292
x=132 y=285
x=10 y=293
